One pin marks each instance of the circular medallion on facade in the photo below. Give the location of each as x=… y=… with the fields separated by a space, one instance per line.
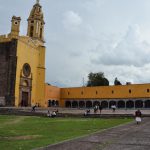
x=26 y=70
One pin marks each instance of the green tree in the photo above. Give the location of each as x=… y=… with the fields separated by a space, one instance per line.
x=97 y=79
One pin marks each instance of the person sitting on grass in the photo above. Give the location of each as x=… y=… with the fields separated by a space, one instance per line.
x=49 y=114
x=87 y=112
x=53 y=115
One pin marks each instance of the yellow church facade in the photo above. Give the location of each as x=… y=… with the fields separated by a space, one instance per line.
x=25 y=77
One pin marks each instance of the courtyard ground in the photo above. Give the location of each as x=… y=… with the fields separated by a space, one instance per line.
x=125 y=137
x=28 y=132
x=73 y=111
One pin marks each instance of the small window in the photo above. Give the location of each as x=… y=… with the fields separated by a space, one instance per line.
x=147 y=90
x=112 y=92
x=31 y=31
x=96 y=92
x=68 y=93
x=129 y=91
x=16 y=22
x=82 y=92
x=41 y=33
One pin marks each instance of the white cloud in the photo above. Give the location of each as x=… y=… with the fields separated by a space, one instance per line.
x=71 y=20
x=129 y=50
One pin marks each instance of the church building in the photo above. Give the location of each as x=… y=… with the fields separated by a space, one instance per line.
x=22 y=61
x=22 y=75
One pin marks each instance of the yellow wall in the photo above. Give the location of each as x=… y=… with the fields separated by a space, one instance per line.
x=105 y=92
x=51 y=93
x=30 y=52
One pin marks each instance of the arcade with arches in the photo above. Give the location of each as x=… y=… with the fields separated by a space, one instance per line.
x=107 y=103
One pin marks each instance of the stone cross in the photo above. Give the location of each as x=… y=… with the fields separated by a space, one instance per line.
x=37 y=1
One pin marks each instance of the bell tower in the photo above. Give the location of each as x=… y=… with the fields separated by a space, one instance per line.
x=36 y=22
x=15 y=26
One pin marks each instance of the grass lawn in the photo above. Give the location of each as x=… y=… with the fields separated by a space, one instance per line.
x=23 y=133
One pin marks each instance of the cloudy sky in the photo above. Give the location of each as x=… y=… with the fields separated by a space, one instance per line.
x=83 y=36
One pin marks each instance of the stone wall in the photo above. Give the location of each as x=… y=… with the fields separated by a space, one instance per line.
x=8 y=60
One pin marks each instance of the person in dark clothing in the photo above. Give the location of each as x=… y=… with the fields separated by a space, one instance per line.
x=87 y=112
x=100 y=108
x=138 y=116
x=33 y=108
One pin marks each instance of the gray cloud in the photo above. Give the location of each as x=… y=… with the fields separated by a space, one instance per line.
x=130 y=50
x=72 y=20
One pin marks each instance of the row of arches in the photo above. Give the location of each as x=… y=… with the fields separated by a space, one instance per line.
x=53 y=103
x=108 y=103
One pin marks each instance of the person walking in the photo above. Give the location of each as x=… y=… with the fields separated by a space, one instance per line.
x=113 y=108
x=33 y=108
x=100 y=108
x=138 y=116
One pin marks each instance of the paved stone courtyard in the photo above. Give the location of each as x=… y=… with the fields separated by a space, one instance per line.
x=126 y=137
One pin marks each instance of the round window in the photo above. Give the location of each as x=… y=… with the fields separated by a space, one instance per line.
x=26 y=70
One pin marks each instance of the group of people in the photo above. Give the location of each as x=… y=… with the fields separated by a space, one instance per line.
x=96 y=108
x=138 y=113
x=99 y=107
x=52 y=114
x=87 y=112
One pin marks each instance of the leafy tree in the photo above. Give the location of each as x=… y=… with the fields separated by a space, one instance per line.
x=117 y=82
x=97 y=79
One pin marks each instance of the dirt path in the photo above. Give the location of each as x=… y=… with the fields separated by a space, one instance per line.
x=127 y=137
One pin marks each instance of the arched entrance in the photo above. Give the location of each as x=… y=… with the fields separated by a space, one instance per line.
x=138 y=104
x=112 y=103
x=53 y=103
x=68 y=104
x=130 y=104
x=96 y=103
x=104 y=104
x=121 y=104
x=49 y=103
x=88 y=104
x=74 y=104
x=25 y=92
x=81 y=104
x=147 y=104
x=25 y=86
x=57 y=103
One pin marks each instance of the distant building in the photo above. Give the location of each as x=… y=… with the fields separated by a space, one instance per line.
x=123 y=96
